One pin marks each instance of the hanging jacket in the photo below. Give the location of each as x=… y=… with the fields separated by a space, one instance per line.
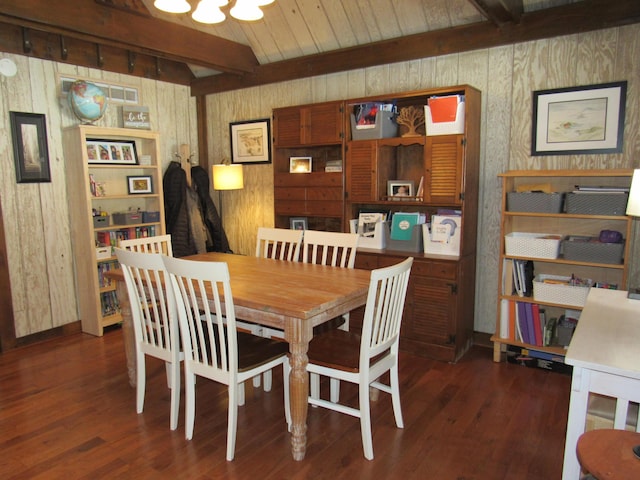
x=190 y=215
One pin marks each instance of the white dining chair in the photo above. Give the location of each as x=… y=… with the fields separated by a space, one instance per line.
x=155 y=325
x=338 y=250
x=213 y=348
x=279 y=243
x=363 y=359
x=156 y=244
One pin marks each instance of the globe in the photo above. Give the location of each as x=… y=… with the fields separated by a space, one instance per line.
x=87 y=101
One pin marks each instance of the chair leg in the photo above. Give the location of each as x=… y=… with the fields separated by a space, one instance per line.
x=267 y=380
x=140 y=382
x=175 y=393
x=365 y=420
x=232 y=420
x=334 y=384
x=240 y=394
x=190 y=404
x=314 y=384
x=395 y=395
x=286 y=371
x=256 y=381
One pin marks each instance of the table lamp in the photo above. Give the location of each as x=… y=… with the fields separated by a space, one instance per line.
x=227 y=177
x=633 y=209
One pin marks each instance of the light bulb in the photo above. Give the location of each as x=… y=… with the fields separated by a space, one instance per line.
x=246 y=10
x=172 y=6
x=208 y=11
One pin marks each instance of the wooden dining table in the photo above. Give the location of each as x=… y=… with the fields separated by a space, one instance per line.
x=292 y=296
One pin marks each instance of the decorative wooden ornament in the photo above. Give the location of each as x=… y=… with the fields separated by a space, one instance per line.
x=412 y=118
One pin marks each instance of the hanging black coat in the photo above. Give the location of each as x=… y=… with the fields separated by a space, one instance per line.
x=177 y=214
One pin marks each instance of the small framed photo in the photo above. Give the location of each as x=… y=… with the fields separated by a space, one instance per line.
x=115 y=152
x=400 y=188
x=250 y=141
x=299 y=164
x=139 y=184
x=578 y=120
x=30 y=148
x=298 y=223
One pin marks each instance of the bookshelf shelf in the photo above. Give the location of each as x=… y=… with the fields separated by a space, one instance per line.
x=97 y=302
x=563 y=224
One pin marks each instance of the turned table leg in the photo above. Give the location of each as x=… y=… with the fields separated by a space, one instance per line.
x=127 y=331
x=298 y=334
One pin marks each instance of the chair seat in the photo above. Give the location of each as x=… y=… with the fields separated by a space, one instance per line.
x=336 y=349
x=327 y=326
x=254 y=351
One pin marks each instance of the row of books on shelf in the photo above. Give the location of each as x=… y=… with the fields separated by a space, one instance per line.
x=112 y=237
x=109 y=303
x=529 y=323
x=104 y=267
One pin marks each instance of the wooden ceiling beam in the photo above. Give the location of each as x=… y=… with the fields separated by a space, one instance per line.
x=569 y=19
x=90 y=21
x=500 y=12
x=58 y=48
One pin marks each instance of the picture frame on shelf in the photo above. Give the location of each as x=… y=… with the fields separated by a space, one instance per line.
x=113 y=152
x=30 y=147
x=300 y=164
x=298 y=223
x=400 y=188
x=139 y=184
x=250 y=141
x=579 y=120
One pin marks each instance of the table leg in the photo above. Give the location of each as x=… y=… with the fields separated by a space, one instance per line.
x=576 y=421
x=127 y=331
x=298 y=334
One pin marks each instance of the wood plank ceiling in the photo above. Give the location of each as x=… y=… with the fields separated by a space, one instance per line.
x=295 y=39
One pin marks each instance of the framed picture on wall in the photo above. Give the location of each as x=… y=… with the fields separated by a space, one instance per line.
x=30 y=147
x=250 y=141
x=578 y=120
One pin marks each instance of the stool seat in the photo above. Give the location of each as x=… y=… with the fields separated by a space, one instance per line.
x=607 y=454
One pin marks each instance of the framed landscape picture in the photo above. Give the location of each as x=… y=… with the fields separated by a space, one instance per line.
x=578 y=120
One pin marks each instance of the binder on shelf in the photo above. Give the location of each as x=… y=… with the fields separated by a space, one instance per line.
x=402 y=224
x=442 y=236
x=376 y=241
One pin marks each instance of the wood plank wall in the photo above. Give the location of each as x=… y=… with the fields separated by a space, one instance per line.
x=36 y=214
x=39 y=251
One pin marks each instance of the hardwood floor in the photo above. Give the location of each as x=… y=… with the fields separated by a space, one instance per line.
x=67 y=411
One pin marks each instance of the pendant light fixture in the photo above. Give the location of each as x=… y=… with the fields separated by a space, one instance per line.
x=209 y=11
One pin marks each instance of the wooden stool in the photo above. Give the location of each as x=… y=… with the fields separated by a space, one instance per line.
x=608 y=454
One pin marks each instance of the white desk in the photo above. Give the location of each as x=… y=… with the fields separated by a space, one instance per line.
x=605 y=354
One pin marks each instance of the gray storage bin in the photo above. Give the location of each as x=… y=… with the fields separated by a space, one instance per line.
x=414 y=245
x=150 y=217
x=534 y=202
x=385 y=127
x=100 y=221
x=591 y=250
x=127 y=218
x=597 y=203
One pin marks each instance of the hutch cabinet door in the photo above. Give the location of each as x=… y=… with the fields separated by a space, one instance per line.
x=361 y=172
x=444 y=157
x=322 y=123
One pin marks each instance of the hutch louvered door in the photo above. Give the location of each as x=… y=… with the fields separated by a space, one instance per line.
x=443 y=180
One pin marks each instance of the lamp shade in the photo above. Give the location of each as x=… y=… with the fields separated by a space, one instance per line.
x=246 y=10
x=172 y=6
x=227 y=177
x=633 y=206
x=208 y=11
